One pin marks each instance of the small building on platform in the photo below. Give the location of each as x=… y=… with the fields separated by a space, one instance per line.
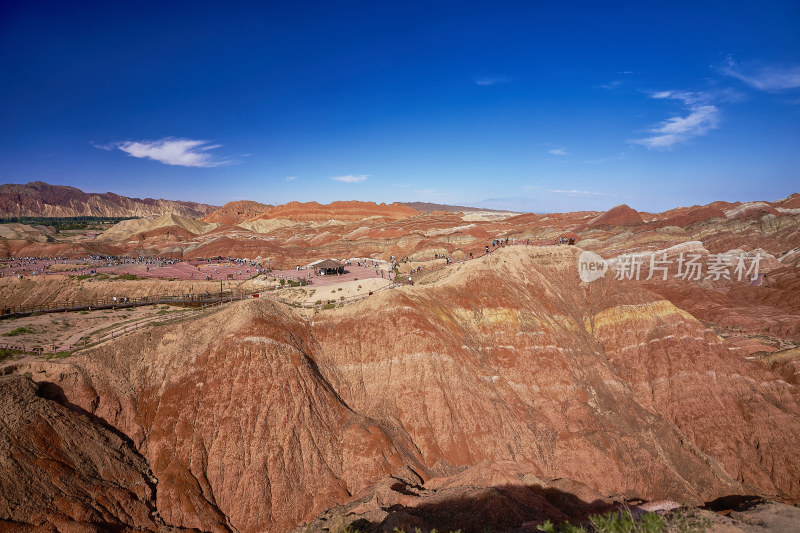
x=328 y=267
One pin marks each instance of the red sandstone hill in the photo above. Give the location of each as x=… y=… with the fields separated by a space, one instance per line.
x=236 y=212
x=42 y=199
x=502 y=380
x=791 y=202
x=353 y=210
x=621 y=215
x=687 y=217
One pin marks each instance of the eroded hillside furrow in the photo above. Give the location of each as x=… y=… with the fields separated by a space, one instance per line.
x=260 y=418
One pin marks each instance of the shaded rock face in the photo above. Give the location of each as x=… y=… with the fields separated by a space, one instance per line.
x=505 y=373
x=60 y=468
x=497 y=494
x=42 y=199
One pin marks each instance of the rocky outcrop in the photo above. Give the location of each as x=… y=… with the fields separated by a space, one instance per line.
x=238 y=426
x=61 y=469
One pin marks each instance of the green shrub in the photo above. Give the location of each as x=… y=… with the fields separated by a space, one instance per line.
x=623 y=521
x=18 y=331
x=5 y=353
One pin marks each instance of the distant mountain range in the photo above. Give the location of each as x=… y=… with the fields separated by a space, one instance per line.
x=42 y=199
x=427 y=207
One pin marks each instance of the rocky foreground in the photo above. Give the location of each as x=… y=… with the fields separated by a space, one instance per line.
x=502 y=385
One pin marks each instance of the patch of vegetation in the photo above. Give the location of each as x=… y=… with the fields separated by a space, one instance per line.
x=318 y=302
x=623 y=521
x=101 y=276
x=329 y=306
x=59 y=355
x=339 y=289
x=5 y=353
x=127 y=277
x=66 y=223
x=162 y=312
x=17 y=331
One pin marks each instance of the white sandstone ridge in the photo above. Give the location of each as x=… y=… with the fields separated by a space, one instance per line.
x=448 y=231
x=126 y=228
x=15 y=231
x=756 y=206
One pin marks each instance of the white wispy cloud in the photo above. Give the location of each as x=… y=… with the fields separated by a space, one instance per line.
x=765 y=78
x=701 y=118
x=351 y=178
x=107 y=147
x=575 y=192
x=558 y=151
x=290 y=178
x=611 y=85
x=170 y=151
x=485 y=81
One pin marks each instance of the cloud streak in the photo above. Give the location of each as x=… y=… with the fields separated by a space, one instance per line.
x=351 y=178
x=575 y=192
x=558 y=151
x=170 y=151
x=769 y=79
x=290 y=178
x=486 y=81
x=701 y=118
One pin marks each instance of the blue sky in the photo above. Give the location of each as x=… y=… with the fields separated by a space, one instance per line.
x=522 y=105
